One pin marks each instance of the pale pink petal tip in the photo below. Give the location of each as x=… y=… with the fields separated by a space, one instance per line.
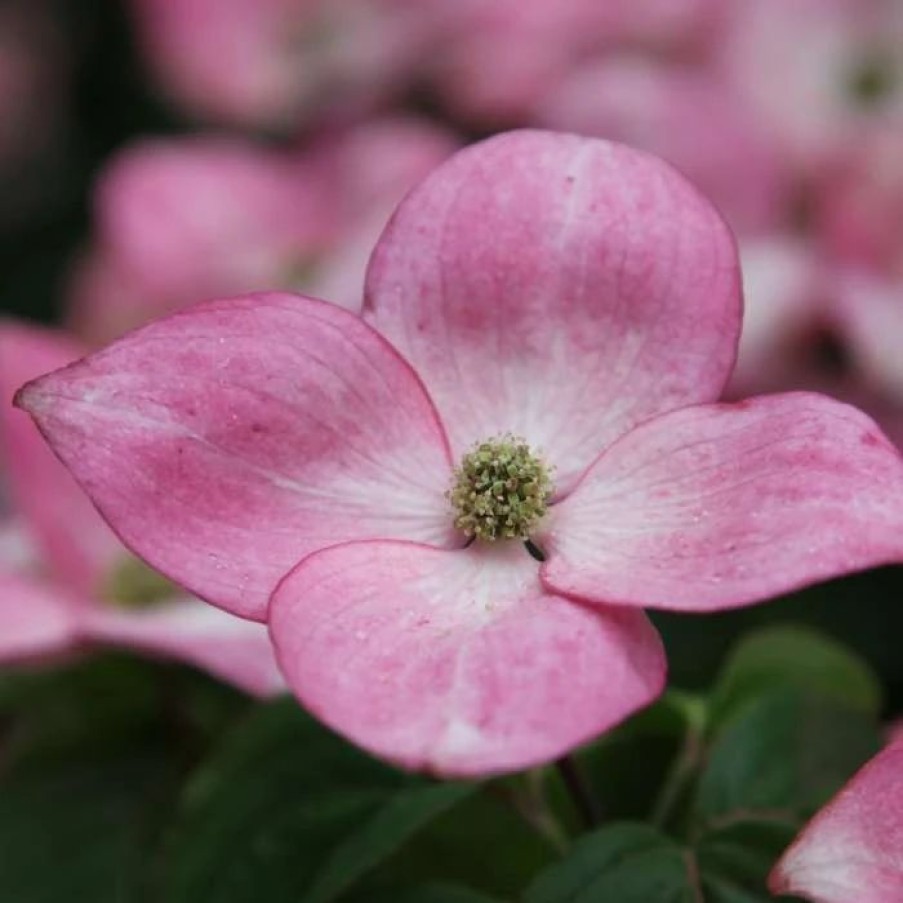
x=457 y=662
x=69 y=536
x=719 y=506
x=851 y=850
x=228 y=441
x=37 y=621
x=558 y=287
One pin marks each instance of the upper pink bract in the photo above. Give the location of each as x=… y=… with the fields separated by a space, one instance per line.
x=288 y=460
x=851 y=849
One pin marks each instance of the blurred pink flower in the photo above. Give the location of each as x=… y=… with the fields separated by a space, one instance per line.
x=869 y=311
x=575 y=293
x=851 y=849
x=543 y=42
x=787 y=313
x=179 y=220
x=859 y=209
x=689 y=118
x=58 y=564
x=278 y=64
x=815 y=71
x=368 y=169
x=812 y=324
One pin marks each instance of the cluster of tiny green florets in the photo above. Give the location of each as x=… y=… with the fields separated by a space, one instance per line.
x=132 y=584
x=501 y=490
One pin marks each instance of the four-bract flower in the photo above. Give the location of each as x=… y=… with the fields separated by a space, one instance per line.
x=555 y=316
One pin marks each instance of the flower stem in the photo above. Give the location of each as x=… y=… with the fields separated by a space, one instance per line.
x=683 y=771
x=579 y=791
x=527 y=796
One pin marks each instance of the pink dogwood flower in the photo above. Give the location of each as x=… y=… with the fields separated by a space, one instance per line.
x=549 y=323
x=73 y=586
x=851 y=849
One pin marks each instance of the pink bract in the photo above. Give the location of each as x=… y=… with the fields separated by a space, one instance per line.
x=286 y=459
x=51 y=600
x=851 y=849
x=75 y=545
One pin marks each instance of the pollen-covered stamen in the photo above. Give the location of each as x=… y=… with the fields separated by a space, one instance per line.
x=501 y=490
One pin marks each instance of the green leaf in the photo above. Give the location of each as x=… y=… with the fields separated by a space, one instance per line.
x=625 y=768
x=734 y=860
x=483 y=843
x=98 y=703
x=81 y=828
x=110 y=701
x=786 y=751
x=634 y=863
x=382 y=834
x=630 y=863
x=287 y=811
x=426 y=893
x=798 y=657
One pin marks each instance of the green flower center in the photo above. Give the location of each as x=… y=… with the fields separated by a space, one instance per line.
x=133 y=584
x=501 y=490
x=299 y=273
x=872 y=81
